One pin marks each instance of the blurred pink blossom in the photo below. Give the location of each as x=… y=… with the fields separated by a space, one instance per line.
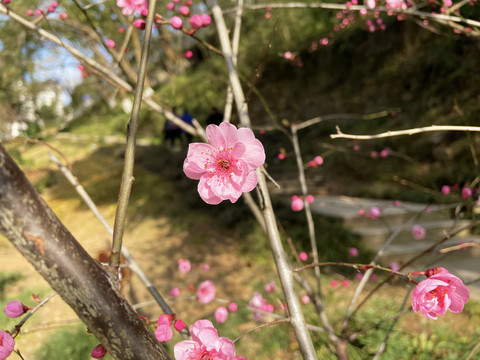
x=6 y=344
x=466 y=193
x=305 y=299
x=333 y=283
x=438 y=293
x=206 y=20
x=270 y=287
x=188 y=54
x=206 y=292
x=175 y=292
x=353 y=251
x=297 y=203
x=184 y=10
x=129 y=6
x=344 y=283
x=374 y=212
x=184 y=266
x=418 y=232
x=226 y=166
x=139 y=24
x=110 y=43
x=176 y=22
x=221 y=314
x=179 y=325
x=170 y=6
x=196 y=22
x=303 y=256
x=30 y=12
x=318 y=160
x=445 y=190
x=163 y=332
x=232 y=307
x=205 y=344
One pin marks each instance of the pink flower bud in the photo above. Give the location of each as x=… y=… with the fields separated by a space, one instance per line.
x=188 y=54
x=38 y=12
x=179 y=325
x=206 y=20
x=374 y=212
x=305 y=299
x=54 y=4
x=184 y=10
x=30 y=12
x=345 y=283
x=206 y=267
x=353 y=251
x=166 y=319
x=139 y=24
x=374 y=154
x=51 y=9
x=144 y=12
x=318 y=160
x=312 y=164
x=163 y=332
x=221 y=315
x=6 y=2
x=333 y=283
x=303 y=256
x=362 y=212
x=466 y=193
x=445 y=189
x=196 y=22
x=63 y=16
x=288 y=55
x=175 y=292
x=99 y=351
x=232 y=307
x=176 y=22
x=14 y=309
x=385 y=152
x=189 y=2
x=397 y=203
x=418 y=232
x=271 y=287
x=170 y=6
x=281 y=156
x=310 y=199
x=110 y=43
x=297 y=204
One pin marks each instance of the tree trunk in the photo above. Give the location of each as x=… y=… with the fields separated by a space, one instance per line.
x=32 y=227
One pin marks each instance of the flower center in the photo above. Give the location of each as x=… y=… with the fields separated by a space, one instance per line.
x=224 y=164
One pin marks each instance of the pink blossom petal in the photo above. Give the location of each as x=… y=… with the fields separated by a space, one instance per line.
x=181 y=349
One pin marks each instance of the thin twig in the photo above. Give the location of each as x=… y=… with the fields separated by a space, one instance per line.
x=459 y=247
x=16 y=329
x=340 y=135
x=274 y=322
x=357 y=267
x=132 y=127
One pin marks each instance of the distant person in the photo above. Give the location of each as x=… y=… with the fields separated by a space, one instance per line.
x=188 y=118
x=171 y=131
x=215 y=117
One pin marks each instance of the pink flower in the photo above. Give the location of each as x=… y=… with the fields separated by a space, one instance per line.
x=163 y=332
x=445 y=189
x=271 y=287
x=129 y=6
x=374 y=154
x=196 y=22
x=258 y=304
x=38 y=12
x=175 y=292
x=297 y=203
x=30 y=12
x=394 y=266
x=139 y=24
x=179 y=325
x=373 y=277
x=14 y=309
x=63 y=16
x=318 y=160
x=344 y=283
x=303 y=256
x=374 y=212
x=282 y=156
x=353 y=251
x=310 y=199
x=110 y=43
x=206 y=267
x=232 y=307
x=166 y=319
x=206 y=20
x=99 y=351
x=205 y=344
x=206 y=292
x=439 y=293
x=397 y=203
x=184 y=10
x=81 y=67
x=226 y=166
x=312 y=164
x=418 y=232
x=385 y=152
x=170 y=6
x=221 y=314
x=288 y=55
x=333 y=283
x=362 y=212
x=176 y=22
x=184 y=266
x=305 y=299
x=466 y=193
x=358 y=276
x=188 y=54
x=6 y=344
x=324 y=42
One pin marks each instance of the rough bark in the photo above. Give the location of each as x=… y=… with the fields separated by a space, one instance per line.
x=32 y=227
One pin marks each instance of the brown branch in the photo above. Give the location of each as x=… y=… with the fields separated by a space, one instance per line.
x=70 y=271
